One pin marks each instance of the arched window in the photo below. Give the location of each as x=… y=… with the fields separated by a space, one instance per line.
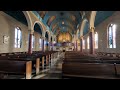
x=83 y=44
x=96 y=40
x=33 y=41
x=18 y=37
x=112 y=36
x=88 y=46
x=40 y=43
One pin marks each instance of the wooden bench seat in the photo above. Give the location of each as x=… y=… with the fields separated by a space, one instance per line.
x=74 y=69
x=16 y=67
x=85 y=60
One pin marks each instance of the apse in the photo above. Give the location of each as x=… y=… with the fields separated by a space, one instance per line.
x=64 y=37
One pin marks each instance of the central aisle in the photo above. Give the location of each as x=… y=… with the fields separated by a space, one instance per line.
x=55 y=72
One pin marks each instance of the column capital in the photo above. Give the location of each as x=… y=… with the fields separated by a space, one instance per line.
x=31 y=31
x=43 y=38
x=92 y=29
x=81 y=37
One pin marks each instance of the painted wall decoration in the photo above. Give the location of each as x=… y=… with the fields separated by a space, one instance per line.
x=5 y=39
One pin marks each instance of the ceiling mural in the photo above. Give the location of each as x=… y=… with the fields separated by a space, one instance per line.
x=50 y=20
x=65 y=20
x=42 y=14
x=53 y=27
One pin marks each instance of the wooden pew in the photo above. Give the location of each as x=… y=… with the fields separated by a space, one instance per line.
x=91 y=70
x=81 y=65
x=88 y=60
x=36 y=59
x=16 y=67
x=23 y=58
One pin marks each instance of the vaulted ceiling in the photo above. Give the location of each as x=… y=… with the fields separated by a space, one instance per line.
x=18 y=15
x=61 y=21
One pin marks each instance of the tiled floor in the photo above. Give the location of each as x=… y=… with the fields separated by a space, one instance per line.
x=54 y=72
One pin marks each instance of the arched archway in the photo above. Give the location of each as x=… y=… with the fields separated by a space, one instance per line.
x=38 y=29
x=84 y=26
x=84 y=29
x=92 y=18
x=39 y=26
x=28 y=18
x=46 y=42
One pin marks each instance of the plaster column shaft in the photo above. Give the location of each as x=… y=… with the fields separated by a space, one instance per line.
x=91 y=34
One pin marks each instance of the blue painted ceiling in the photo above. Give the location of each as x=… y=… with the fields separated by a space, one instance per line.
x=55 y=18
x=18 y=15
x=86 y=28
x=101 y=16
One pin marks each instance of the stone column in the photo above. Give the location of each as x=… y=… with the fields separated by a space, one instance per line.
x=91 y=34
x=51 y=45
x=81 y=44
x=43 y=44
x=30 y=43
x=76 y=46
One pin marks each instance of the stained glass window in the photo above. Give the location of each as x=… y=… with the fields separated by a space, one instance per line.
x=83 y=44
x=112 y=36
x=33 y=41
x=18 y=38
x=96 y=40
x=88 y=43
x=40 y=43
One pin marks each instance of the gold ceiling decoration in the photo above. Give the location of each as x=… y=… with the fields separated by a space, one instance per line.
x=50 y=20
x=54 y=26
